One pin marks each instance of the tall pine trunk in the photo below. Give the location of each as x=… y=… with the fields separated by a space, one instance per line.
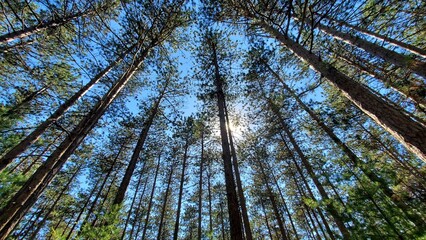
x=54 y=117
x=273 y=202
x=50 y=24
x=387 y=55
x=410 y=133
x=182 y=180
x=36 y=184
x=241 y=197
x=138 y=148
x=351 y=155
x=200 y=186
x=406 y=46
x=151 y=198
x=166 y=196
x=231 y=193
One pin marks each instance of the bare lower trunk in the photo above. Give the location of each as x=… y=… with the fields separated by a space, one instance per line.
x=410 y=133
x=136 y=152
x=163 y=208
x=182 y=180
x=241 y=197
x=231 y=193
x=36 y=184
x=151 y=198
x=64 y=107
x=384 y=53
x=408 y=47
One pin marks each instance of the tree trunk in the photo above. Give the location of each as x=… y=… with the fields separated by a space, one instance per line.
x=182 y=180
x=200 y=188
x=308 y=212
x=151 y=198
x=330 y=208
x=240 y=191
x=302 y=175
x=273 y=202
x=166 y=196
x=54 y=23
x=209 y=190
x=95 y=187
x=266 y=219
x=133 y=201
x=405 y=90
x=138 y=148
x=53 y=205
x=35 y=135
x=393 y=57
x=284 y=203
x=352 y=156
x=410 y=133
x=413 y=49
x=231 y=193
x=138 y=209
x=35 y=185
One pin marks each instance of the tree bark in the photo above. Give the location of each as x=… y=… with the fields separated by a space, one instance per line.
x=240 y=191
x=413 y=49
x=138 y=148
x=388 y=55
x=231 y=194
x=133 y=201
x=200 y=186
x=64 y=107
x=151 y=198
x=182 y=180
x=35 y=185
x=330 y=233
x=163 y=208
x=410 y=133
x=50 y=24
x=273 y=202
x=352 y=156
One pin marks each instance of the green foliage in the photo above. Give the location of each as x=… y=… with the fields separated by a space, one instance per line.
x=10 y=183
x=108 y=227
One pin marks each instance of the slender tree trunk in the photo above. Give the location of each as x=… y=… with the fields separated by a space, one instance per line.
x=330 y=208
x=138 y=148
x=405 y=90
x=151 y=198
x=83 y=208
x=231 y=193
x=133 y=201
x=352 y=156
x=50 y=24
x=182 y=180
x=210 y=196
x=15 y=109
x=200 y=186
x=393 y=57
x=302 y=194
x=413 y=49
x=273 y=202
x=53 y=205
x=64 y=107
x=410 y=133
x=284 y=203
x=166 y=196
x=138 y=209
x=266 y=219
x=241 y=197
x=98 y=195
x=330 y=233
x=35 y=185
x=222 y=221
